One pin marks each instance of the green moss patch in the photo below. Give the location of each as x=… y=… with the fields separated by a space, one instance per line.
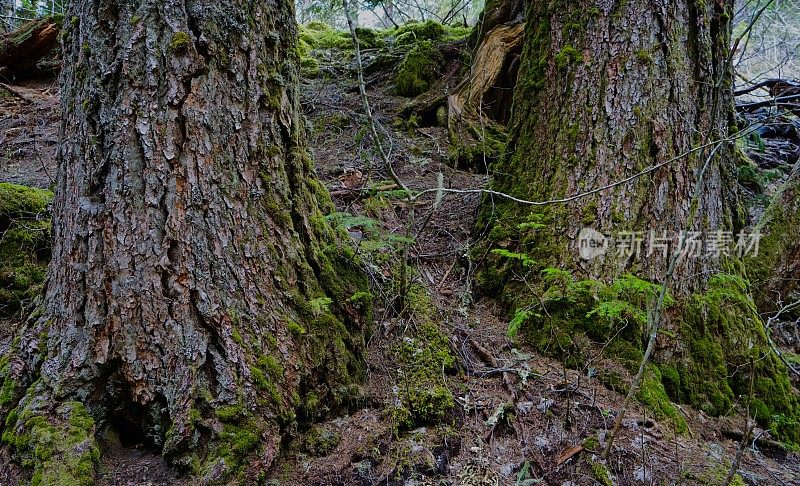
x=423 y=358
x=24 y=245
x=572 y=312
x=415 y=32
x=180 y=42
x=418 y=69
x=476 y=147
x=318 y=35
x=321 y=441
x=653 y=395
x=61 y=450
x=726 y=342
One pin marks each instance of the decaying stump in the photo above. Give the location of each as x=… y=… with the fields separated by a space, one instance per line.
x=481 y=105
x=496 y=13
x=22 y=50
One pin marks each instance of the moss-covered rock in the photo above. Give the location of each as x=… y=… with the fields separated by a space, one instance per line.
x=369 y=38
x=415 y=32
x=24 y=245
x=319 y=35
x=418 y=69
x=653 y=395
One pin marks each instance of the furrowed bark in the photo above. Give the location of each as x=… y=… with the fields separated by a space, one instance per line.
x=198 y=300
x=607 y=90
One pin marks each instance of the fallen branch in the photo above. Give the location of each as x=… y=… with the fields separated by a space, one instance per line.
x=791 y=101
x=15 y=93
x=774 y=445
x=772 y=86
x=486 y=356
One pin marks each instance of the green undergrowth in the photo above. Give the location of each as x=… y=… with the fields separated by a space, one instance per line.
x=60 y=448
x=318 y=35
x=24 y=245
x=723 y=343
x=420 y=355
x=571 y=313
x=413 y=44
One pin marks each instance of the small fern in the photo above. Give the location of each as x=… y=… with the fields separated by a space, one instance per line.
x=517 y=321
x=524 y=259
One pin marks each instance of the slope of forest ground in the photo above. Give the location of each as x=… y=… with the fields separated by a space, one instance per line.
x=448 y=397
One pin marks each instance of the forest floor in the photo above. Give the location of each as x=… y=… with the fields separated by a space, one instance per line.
x=519 y=418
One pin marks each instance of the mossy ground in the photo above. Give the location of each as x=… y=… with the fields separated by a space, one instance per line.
x=721 y=329
x=423 y=359
x=24 y=245
x=413 y=45
x=418 y=69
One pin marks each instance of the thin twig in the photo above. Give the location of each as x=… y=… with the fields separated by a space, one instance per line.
x=365 y=101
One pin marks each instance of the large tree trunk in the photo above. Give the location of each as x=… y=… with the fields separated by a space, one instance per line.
x=198 y=300
x=607 y=90
x=775 y=272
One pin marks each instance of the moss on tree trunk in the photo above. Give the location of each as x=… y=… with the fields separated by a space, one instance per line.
x=606 y=91
x=198 y=300
x=775 y=271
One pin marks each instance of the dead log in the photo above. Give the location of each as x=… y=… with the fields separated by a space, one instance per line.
x=785 y=95
x=22 y=50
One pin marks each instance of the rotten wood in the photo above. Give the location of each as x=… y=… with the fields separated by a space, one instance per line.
x=21 y=50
